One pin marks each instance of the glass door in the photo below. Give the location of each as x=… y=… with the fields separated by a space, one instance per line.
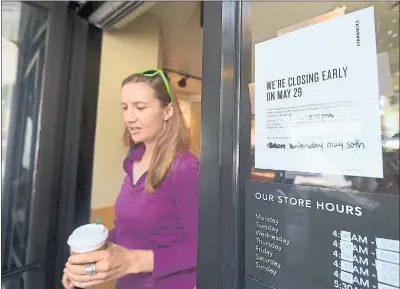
x=34 y=50
x=24 y=43
x=320 y=215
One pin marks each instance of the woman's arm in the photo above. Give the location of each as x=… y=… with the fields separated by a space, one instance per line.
x=118 y=261
x=112 y=235
x=182 y=256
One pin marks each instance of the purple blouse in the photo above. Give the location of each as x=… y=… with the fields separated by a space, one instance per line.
x=164 y=221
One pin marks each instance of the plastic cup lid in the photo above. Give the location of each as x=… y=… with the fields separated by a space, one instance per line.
x=87 y=236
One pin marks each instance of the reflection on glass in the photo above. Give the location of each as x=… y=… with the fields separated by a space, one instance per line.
x=284 y=17
x=15 y=282
x=24 y=30
x=9 y=56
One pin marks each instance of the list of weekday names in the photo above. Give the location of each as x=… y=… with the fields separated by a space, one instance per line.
x=359 y=262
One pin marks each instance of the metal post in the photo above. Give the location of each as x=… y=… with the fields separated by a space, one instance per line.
x=225 y=144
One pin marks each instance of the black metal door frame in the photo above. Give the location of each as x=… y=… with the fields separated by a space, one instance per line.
x=225 y=143
x=77 y=156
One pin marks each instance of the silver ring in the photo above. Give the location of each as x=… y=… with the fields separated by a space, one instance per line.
x=91 y=269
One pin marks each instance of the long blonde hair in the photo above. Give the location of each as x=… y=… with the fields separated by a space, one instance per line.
x=174 y=139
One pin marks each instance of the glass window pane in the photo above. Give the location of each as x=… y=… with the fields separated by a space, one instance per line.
x=274 y=19
x=24 y=31
x=17 y=281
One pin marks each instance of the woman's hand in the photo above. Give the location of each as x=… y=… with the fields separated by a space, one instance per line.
x=113 y=263
x=66 y=282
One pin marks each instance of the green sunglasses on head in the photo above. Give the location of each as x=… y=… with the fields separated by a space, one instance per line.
x=154 y=72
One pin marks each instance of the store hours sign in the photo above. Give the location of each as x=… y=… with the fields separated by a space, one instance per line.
x=300 y=237
x=317 y=99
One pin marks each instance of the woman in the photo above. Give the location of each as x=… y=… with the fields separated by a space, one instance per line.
x=154 y=241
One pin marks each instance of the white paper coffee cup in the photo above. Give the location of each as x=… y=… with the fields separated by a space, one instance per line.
x=88 y=238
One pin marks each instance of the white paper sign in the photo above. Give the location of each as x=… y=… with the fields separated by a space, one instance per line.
x=317 y=99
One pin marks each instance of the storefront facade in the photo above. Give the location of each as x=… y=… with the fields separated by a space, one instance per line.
x=244 y=240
